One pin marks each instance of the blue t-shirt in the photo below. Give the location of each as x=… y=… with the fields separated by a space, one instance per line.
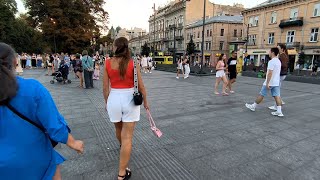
x=25 y=151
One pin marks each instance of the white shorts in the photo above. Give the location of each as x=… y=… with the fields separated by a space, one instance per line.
x=121 y=107
x=220 y=73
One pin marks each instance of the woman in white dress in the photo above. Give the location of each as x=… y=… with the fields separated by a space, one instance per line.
x=187 y=68
x=179 y=68
x=144 y=63
x=28 y=65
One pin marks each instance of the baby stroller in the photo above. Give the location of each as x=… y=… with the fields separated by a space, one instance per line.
x=61 y=76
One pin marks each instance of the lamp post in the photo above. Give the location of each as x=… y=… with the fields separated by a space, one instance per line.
x=246 y=53
x=203 y=28
x=174 y=40
x=154 y=30
x=54 y=36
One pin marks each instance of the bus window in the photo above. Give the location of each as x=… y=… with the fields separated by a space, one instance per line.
x=159 y=59
x=170 y=59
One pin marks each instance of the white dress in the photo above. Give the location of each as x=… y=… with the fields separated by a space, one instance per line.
x=187 y=70
x=144 y=62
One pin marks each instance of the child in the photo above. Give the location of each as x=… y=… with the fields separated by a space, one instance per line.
x=96 y=74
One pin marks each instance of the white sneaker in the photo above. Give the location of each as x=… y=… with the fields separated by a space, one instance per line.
x=272 y=108
x=283 y=103
x=145 y=72
x=277 y=114
x=150 y=72
x=250 y=106
x=177 y=77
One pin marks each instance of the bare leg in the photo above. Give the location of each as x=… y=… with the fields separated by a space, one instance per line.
x=259 y=99
x=230 y=84
x=278 y=100
x=225 y=84
x=216 y=85
x=57 y=175
x=125 y=153
x=118 y=127
x=178 y=72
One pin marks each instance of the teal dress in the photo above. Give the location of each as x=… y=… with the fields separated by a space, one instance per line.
x=25 y=151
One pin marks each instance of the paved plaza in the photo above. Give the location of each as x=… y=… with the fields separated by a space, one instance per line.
x=205 y=136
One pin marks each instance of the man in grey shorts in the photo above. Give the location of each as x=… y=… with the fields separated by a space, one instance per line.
x=271 y=83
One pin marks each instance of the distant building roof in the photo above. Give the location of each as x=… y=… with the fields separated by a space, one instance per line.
x=238 y=19
x=267 y=4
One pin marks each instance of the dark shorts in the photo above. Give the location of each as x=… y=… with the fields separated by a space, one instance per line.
x=233 y=75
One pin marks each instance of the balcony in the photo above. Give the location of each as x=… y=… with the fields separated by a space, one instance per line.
x=293 y=45
x=180 y=26
x=237 y=40
x=178 y=38
x=165 y=39
x=171 y=49
x=291 y=22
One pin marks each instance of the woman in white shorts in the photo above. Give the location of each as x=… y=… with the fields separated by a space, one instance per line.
x=221 y=75
x=119 y=75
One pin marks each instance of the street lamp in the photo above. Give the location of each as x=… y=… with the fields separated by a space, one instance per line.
x=154 y=29
x=54 y=36
x=203 y=29
x=174 y=40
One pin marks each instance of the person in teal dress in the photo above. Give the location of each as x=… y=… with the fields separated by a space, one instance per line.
x=26 y=151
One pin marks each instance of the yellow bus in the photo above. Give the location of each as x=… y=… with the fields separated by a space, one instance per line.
x=163 y=59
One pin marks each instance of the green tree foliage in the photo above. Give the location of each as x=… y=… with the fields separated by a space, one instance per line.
x=191 y=47
x=73 y=23
x=16 y=31
x=145 y=50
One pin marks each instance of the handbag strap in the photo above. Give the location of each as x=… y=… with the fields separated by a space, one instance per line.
x=24 y=117
x=136 y=84
x=151 y=121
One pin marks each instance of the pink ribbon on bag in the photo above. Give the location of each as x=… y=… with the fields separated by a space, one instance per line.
x=153 y=126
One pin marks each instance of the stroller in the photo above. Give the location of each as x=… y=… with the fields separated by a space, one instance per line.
x=61 y=76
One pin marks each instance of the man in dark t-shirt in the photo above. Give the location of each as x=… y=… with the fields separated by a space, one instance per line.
x=232 y=70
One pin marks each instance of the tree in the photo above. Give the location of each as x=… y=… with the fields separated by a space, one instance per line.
x=73 y=23
x=17 y=32
x=145 y=50
x=191 y=47
x=118 y=29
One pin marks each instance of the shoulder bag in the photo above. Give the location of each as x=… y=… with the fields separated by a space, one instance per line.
x=137 y=96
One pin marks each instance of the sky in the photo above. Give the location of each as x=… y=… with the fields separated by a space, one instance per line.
x=135 y=13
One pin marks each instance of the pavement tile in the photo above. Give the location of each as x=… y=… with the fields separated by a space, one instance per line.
x=218 y=143
x=241 y=136
x=305 y=173
x=252 y=150
x=296 y=134
x=291 y=158
x=273 y=142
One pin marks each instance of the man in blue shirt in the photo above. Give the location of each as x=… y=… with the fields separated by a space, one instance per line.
x=87 y=63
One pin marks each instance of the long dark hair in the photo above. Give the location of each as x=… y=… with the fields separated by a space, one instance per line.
x=221 y=57
x=9 y=86
x=284 y=48
x=123 y=53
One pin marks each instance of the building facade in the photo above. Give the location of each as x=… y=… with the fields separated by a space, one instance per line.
x=136 y=43
x=295 y=23
x=172 y=19
x=219 y=32
x=132 y=33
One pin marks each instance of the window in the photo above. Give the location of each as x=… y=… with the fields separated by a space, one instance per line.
x=241 y=33
x=221 y=45
x=252 y=39
x=235 y=32
x=256 y=21
x=294 y=13
x=251 y=19
x=198 y=34
x=290 y=37
x=222 y=32
x=314 y=34
x=273 y=17
x=316 y=11
x=209 y=46
x=271 y=38
x=210 y=32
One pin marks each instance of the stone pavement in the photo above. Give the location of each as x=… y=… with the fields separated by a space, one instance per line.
x=205 y=136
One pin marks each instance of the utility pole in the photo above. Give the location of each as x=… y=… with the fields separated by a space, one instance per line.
x=203 y=28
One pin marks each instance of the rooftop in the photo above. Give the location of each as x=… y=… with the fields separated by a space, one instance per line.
x=218 y=19
x=267 y=4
